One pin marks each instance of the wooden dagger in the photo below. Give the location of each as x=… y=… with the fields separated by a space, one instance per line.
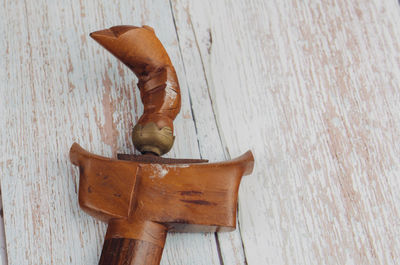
x=142 y=197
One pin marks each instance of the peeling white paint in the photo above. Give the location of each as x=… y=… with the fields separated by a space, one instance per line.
x=171 y=93
x=311 y=88
x=159 y=171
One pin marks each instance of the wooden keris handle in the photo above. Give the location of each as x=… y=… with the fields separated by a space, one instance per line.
x=141 y=50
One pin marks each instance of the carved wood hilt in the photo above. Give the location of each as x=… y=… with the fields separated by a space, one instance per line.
x=140 y=50
x=144 y=198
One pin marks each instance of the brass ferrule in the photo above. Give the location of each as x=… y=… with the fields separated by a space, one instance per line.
x=149 y=138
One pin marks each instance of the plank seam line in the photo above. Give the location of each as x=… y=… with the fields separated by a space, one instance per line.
x=187 y=85
x=224 y=146
x=192 y=112
x=221 y=260
x=2 y=227
x=220 y=135
x=221 y=138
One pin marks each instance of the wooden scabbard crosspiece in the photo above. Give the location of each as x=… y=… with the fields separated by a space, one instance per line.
x=142 y=197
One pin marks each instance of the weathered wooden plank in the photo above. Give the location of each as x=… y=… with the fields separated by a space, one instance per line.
x=211 y=147
x=59 y=87
x=313 y=88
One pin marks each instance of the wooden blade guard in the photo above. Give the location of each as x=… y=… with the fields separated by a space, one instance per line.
x=142 y=201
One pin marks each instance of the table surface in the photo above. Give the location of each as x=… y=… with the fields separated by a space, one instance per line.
x=311 y=87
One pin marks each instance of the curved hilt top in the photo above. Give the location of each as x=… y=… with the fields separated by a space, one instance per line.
x=141 y=50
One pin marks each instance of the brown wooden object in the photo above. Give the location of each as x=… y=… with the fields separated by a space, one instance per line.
x=140 y=50
x=142 y=201
x=143 y=197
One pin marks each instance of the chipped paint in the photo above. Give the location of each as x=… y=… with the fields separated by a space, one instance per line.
x=159 y=171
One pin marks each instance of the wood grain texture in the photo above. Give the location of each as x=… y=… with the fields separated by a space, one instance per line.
x=209 y=138
x=142 y=52
x=312 y=87
x=130 y=251
x=55 y=92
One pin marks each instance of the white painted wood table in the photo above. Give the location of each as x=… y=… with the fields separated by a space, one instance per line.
x=312 y=87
